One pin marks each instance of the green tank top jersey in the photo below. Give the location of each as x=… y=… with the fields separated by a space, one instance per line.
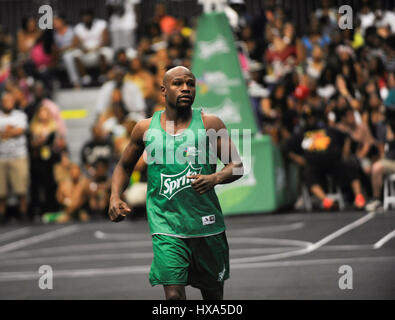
x=173 y=206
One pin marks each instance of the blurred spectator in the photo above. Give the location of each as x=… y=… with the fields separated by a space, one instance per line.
x=64 y=35
x=122 y=23
x=14 y=163
x=386 y=165
x=130 y=95
x=91 y=40
x=5 y=56
x=27 y=38
x=167 y=23
x=43 y=59
x=143 y=79
x=99 y=147
x=91 y=194
x=44 y=155
x=40 y=99
x=324 y=152
x=68 y=192
x=117 y=124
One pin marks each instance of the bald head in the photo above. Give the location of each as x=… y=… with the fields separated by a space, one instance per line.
x=176 y=71
x=178 y=87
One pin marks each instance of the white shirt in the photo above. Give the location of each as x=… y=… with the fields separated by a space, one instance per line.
x=128 y=20
x=131 y=96
x=90 y=38
x=16 y=147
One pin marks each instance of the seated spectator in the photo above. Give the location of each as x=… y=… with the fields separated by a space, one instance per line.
x=118 y=126
x=386 y=164
x=280 y=58
x=323 y=152
x=92 y=194
x=64 y=35
x=14 y=163
x=315 y=37
x=43 y=59
x=315 y=64
x=69 y=189
x=44 y=156
x=5 y=56
x=27 y=37
x=142 y=78
x=167 y=23
x=91 y=40
x=130 y=93
x=99 y=147
x=364 y=147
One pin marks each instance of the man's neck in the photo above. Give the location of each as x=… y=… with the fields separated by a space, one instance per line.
x=178 y=115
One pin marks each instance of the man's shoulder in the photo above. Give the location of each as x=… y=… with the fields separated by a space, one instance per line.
x=212 y=121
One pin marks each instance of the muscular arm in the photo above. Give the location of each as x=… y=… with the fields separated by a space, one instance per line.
x=124 y=169
x=226 y=152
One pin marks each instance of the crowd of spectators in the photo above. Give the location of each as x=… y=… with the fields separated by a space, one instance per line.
x=325 y=97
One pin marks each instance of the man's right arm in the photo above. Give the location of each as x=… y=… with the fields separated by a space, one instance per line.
x=133 y=151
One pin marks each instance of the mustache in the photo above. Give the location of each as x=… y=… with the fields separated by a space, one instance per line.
x=184 y=96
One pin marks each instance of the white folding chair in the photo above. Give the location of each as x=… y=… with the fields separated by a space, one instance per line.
x=389 y=191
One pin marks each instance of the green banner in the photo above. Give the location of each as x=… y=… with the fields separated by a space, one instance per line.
x=267 y=184
x=221 y=88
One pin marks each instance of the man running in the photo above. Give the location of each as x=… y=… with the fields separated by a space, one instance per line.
x=184 y=214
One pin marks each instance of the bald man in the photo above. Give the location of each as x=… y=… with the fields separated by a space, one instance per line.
x=184 y=214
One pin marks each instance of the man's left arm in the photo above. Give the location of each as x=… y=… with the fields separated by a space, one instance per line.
x=226 y=152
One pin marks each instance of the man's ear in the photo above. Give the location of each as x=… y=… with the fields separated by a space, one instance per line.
x=163 y=90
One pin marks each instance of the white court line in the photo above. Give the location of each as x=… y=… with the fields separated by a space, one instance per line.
x=273 y=241
x=116 y=256
x=383 y=240
x=14 y=233
x=298 y=263
x=98 y=272
x=78 y=258
x=81 y=248
x=37 y=239
x=274 y=228
x=311 y=247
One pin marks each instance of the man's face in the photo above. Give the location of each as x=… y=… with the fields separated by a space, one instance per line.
x=179 y=89
x=87 y=20
x=8 y=102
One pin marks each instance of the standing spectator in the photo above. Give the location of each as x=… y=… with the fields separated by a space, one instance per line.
x=91 y=40
x=122 y=23
x=131 y=95
x=44 y=155
x=14 y=164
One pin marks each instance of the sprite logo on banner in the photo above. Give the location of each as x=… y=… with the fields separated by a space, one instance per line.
x=221 y=88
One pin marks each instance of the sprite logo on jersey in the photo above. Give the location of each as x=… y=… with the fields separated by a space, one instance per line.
x=172 y=184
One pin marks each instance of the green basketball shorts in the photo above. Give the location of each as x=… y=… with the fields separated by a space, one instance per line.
x=200 y=262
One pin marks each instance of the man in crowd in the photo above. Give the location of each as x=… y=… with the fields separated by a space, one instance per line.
x=14 y=164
